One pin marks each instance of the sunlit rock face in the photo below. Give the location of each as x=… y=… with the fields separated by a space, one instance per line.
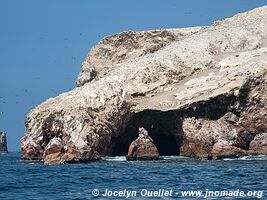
x=3 y=143
x=201 y=90
x=142 y=148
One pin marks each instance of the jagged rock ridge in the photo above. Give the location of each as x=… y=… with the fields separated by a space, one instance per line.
x=199 y=92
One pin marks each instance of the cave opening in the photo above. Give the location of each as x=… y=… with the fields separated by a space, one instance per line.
x=165 y=128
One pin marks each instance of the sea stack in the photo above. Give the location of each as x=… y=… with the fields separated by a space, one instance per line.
x=199 y=92
x=142 y=148
x=3 y=143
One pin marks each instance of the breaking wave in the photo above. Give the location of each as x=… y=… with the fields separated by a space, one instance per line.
x=258 y=157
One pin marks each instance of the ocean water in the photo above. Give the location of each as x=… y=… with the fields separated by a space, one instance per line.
x=33 y=180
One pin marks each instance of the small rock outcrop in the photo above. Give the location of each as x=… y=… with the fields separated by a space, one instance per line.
x=3 y=143
x=142 y=148
x=199 y=92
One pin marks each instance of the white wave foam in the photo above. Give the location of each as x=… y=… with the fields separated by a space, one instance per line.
x=259 y=157
x=173 y=158
x=114 y=158
x=123 y=158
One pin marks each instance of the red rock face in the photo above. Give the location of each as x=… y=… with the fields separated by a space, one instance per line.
x=205 y=138
x=259 y=144
x=221 y=150
x=230 y=135
x=142 y=148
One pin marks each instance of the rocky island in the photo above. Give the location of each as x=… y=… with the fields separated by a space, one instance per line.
x=197 y=92
x=3 y=143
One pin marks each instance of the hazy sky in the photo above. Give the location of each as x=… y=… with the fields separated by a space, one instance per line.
x=43 y=42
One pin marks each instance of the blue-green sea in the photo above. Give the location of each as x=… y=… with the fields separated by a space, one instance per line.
x=33 y=180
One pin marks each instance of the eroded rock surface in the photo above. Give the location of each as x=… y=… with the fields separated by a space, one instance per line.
x=211 y=80
x=142 y=148
x=127 y=45
x=3 y=143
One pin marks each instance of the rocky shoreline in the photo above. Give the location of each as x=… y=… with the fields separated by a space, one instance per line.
x=199 y=92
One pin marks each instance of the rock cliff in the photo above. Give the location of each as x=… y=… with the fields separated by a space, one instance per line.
x=3 y=143
x=199 y=92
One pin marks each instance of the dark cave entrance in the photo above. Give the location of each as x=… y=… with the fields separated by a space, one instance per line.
x=163 y=127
